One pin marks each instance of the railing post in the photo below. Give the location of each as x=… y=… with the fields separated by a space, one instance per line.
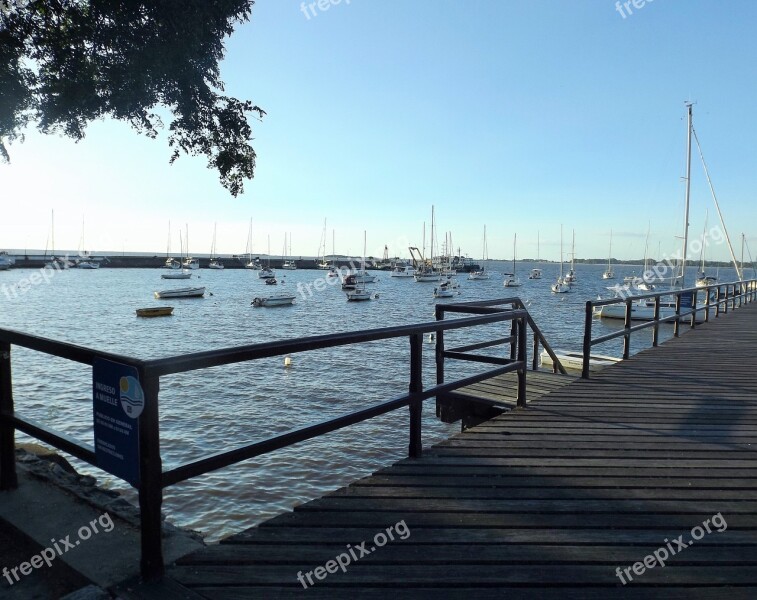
x=513 y=344
x=150 y=481
x=707 y=305
x=8 y=479
x=656 y=327
x=588 y=316
x=521 y=402
x=717 y=301
x=677 y=322
x=725 y=304
x=693 y=309
x=627 y=326
x=439 y=352
x=416 y=386
x=535 y=353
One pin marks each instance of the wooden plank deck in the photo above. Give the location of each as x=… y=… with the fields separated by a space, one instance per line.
x=546 y=502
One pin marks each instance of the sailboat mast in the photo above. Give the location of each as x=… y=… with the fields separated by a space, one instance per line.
x=561 y=256
x=609 y=257
x=515 y=241
x=688 y=193
x=537 y=246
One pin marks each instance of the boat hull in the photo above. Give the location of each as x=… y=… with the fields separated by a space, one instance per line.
x=198 y=292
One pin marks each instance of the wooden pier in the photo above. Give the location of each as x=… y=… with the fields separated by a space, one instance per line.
x=551 y=501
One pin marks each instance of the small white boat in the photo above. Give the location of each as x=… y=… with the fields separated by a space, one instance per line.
x=478 y=274
x=359 y=294
x=643 y=310
x=190 y=292
x=535 y=274
x=191 y=263
x=333 y=272
x=402 y=271
x=609 y=273
x=425 y=275
x=6 y=262
x=362 y=276
x=282 y=299
x=445 y=290
x=266 y=273
x=180 y=275
x=705 y=280
x=560 y=287
x=172 y=263
x=289 y=265
x=88 y=265
x=511 y=279
x=215 y=263
x=574 y=361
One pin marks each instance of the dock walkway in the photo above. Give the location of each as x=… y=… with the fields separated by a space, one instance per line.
x=547 y=502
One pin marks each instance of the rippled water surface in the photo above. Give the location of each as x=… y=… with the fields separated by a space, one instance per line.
x=217 y=409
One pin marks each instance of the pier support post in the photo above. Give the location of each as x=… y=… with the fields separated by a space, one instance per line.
x=694 y=309
x=439 y=313
x=521 y=325
x=627 y=326
x=588 y=315
x=416 y=386
x=150 y=482
x=8 y=479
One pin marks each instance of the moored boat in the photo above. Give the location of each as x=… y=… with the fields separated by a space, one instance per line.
x=156 y=311
x=189 y=292
x=282 y=299
x=574 y=361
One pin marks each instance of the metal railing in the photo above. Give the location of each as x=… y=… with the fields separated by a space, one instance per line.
x=717 y=297
x=152 y=477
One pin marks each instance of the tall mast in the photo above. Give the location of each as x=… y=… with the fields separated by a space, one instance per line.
x=688 y=193
x=573 y=253
x=609 y=257
x=515 y=240
x=537 y=245
x=561 y=257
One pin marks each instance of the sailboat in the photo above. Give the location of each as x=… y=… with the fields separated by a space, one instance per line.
x=560 y=287
x=703 y=280
x=288 y=264
x=570 y=277
x=189 y=261
x=267 y=272
x=171 y=263
x=359 y=293
x=536 y=273
x=426 y=270
x=215 y=262
x=87 y=262
x=609 y=273
x=511 y=279
x=175 y=273
x=324 y=264
x=481 y=273
x=251 y=264
x=55 y=262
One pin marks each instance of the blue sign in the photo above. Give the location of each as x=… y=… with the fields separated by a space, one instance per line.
x=118 y=400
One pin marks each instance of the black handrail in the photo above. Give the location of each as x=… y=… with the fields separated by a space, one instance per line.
x=744 y=291
x=152 y=478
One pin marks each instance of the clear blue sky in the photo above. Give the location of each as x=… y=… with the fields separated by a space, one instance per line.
x=517 y=115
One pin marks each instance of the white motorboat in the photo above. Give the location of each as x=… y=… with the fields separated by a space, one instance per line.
x=289 y=265
x=574 y=361
x=359 y=294
x=6 y=262
x=183 y=274
x=643 y=310
x=362 y=276
x=172 y=263
x=282 y=299
x=190 y=292
x=333 y=272
x=403 y=271
x=191 y=263
x=425 y=275
x=446 y=290
x=705 y=280
x=266 y=273
x=535 y=274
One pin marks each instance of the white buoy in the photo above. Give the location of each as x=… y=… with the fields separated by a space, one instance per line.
x=288 y=361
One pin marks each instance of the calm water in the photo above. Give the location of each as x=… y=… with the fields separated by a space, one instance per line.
x=216 y=409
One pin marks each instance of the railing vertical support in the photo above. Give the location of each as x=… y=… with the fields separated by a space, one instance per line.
x=150 y=484
x=513 y=334
x=416 y=386
x=656 y=327
x=521 y=402
x=588 y=316
x=725 y=304
x=717 y=302
x=677 y=322
x=535 y=353
x=439 y=352
x=694 y=309
x=627 y=326
x=8 y=479
x=707 y=305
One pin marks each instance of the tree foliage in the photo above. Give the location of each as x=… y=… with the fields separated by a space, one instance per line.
x=64 y=63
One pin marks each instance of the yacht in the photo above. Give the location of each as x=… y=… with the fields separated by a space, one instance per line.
x=511 y=279
x=609 y=273
x=6 y=262
x=535 y=274
x=480 y=273
x=402 y=271
x=560 y=286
